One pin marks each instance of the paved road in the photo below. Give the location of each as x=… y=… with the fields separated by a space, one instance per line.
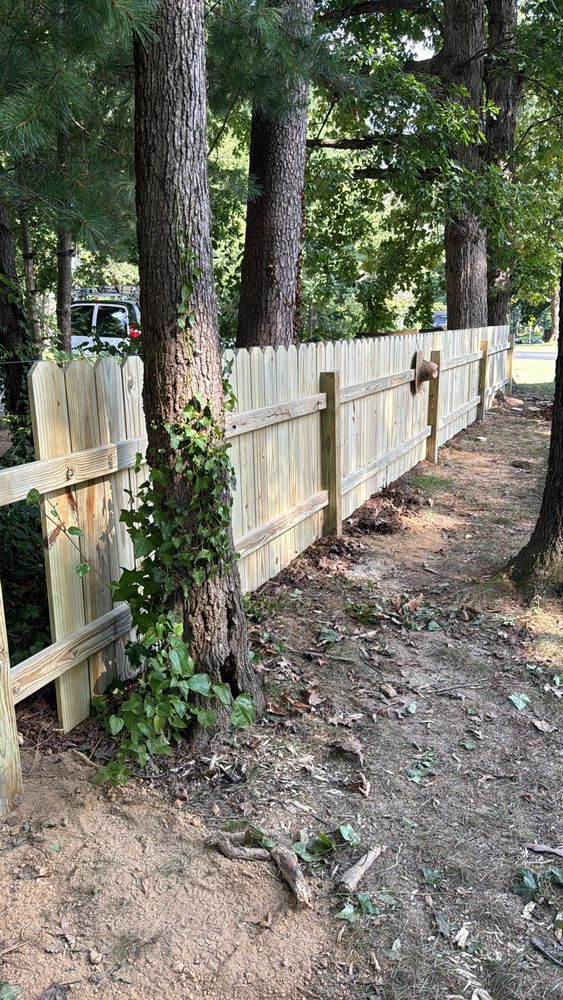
x=535 y=355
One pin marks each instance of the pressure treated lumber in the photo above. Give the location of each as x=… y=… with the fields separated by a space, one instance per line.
x=331 y=460
x=68 y=470
x=10 y=769
x=53 y=662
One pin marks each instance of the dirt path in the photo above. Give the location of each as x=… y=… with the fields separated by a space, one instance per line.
x=390 y=661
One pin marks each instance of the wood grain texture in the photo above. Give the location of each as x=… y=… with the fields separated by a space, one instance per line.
x=68 y=470
x=51 y=436
x=433 y=411
x=10 y=769
x=252 y=420
x=33 y=673
x=331 y=452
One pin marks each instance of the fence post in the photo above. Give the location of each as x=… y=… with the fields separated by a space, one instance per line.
x=483 y=380
x=509 y=361
x=433 y=411
x=331 y=463
x=10 y=769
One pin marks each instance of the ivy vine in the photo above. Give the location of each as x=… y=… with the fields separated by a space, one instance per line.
x=178 y=545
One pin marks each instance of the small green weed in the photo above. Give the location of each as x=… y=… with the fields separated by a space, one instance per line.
x=432 y=483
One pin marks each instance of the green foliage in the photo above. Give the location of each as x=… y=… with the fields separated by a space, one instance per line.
x=22 y=566
x=531 y=885
x=323 y=845
x=180 y=543
x=358 y=906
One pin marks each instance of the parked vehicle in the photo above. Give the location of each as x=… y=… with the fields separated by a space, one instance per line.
x=100 y=319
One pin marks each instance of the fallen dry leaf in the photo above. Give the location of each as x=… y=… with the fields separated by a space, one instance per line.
x=460 y=938
x=349 y=744
x=543 y=726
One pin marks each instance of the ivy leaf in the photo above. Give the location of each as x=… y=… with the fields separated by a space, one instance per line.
x=348 y=834
x=201 y=684
x=349 y=913
x=222 y=693
x=116 y=724
x=82 y=569
x=73 y=530
x=244 y=711
x=366 y=903
x=31 y=499
x=205 y=716
x=519 y=700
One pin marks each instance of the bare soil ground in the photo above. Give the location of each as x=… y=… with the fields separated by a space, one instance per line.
x=390 y=658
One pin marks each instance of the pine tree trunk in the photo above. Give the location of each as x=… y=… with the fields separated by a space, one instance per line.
x=173 y=212
x=29 y=277
x=12 y=328
x=504 y=85
x=538 y=567
x=269 y=296
x=65 y=253
x=462 y=64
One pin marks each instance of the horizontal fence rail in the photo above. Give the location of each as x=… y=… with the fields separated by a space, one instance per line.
x=317 y=429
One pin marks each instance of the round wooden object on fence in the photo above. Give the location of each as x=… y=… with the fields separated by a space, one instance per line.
x=423 y=371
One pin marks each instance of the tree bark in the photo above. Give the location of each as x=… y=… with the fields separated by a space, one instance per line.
x=538 y=567
x=12 y=326
x=461 y=62
x=504 y=86
x=269 y=296
x=65 y=253
x=29 y=277
x=554 y=308
x=174 y=235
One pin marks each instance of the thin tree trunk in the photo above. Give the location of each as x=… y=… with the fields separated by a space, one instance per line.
x=174 y=235
x=13 y=337
x=462 y=64
x=65 y=253
x=554 y=307
x=29 y=277
x=539 y=565
x=269 y=297
x=504 y=86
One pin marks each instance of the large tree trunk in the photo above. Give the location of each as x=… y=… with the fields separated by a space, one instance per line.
x=13 y=338
x=462 y=63
x=504 y=85
x=174 y=234
x=29 y=277
x=538 y=567
x=466 y=272
x=269 y=296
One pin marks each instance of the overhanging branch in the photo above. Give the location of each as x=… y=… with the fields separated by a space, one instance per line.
x=364 y=142
x=373 y=7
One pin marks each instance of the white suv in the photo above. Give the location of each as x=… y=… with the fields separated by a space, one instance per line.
x=108 y=320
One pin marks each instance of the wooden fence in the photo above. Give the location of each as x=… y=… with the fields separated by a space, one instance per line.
x=317 y=429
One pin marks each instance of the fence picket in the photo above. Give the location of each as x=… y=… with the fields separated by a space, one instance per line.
x=51 y=436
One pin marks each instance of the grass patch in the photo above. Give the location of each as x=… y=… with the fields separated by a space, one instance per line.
x=501 y=519
x=534 y=376
x=431 y=483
